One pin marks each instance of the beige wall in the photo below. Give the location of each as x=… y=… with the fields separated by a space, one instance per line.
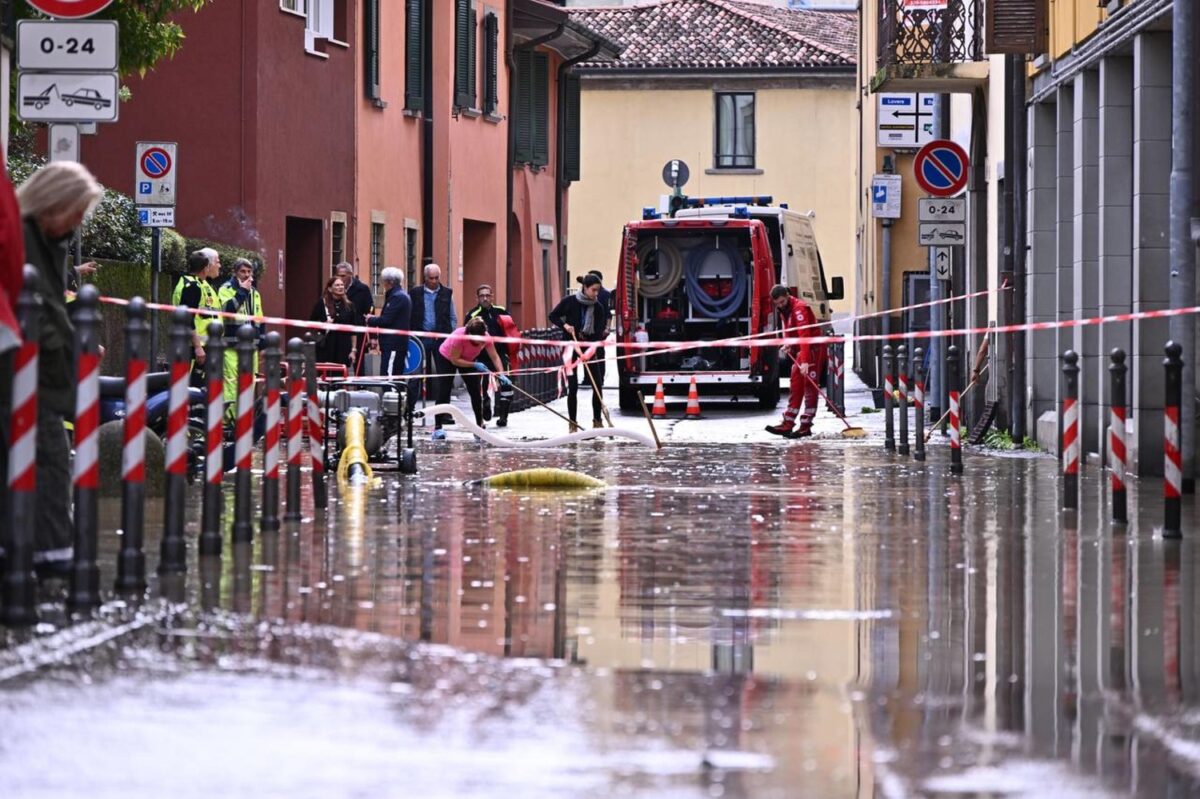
x=805 y=147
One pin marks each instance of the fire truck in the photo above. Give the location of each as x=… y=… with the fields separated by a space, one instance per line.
x=705 y=273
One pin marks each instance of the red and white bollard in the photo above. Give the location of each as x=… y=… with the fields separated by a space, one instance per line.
x=295 y=427
x=173 y=549
x=270 y=492
x=243 y=445
x=84 y=593
x=1117 y=432
x=1172 y=451
x=131 y=560
x=1070 y=426
x=316 y=424
x=956 y=463
x=214 y=441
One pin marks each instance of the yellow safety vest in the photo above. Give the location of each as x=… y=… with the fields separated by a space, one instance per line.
x=208 y=301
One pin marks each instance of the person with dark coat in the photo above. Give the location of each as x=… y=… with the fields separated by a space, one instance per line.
x=584 y=317
x=337 y=346
x=433 y=312
x=396 y=313
x=357 y=291
x=499 y=324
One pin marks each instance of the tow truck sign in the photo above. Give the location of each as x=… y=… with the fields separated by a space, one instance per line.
x=67 y=96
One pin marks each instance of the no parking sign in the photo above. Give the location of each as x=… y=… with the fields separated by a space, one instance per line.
x=154 y=173
x=942 y=168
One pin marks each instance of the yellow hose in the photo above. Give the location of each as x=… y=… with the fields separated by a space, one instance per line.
x=354 y=424
x=542 y=478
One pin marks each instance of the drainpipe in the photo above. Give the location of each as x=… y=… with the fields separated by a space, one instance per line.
x=427 y=138
x=885 y=279
x=560 y=183
x=1019 y=171
x=1183 y=263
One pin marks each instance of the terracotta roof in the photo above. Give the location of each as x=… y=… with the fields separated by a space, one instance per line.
x=723 y=35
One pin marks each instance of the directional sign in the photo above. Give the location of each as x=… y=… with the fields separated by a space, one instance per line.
x=943 y=263
x=157 y=216
x=952 y=234
x=941 y=168
x=67 y=96
x=950 y=209
x=885 y=196
x=67 y=46
x=905 y=120
x=70 y=9
x=154 y=174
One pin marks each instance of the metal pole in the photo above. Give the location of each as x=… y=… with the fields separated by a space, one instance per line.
x=902 y=376
x=956 y=461
x=1019 y=178
x=270 y=492
x=131 y=560
x=243 y=447
x=18 y=583
x=214 y=458
x=1116 y=400
x=1070 y=427
x=84 y=593
x=918 y=367
x=155 y=268
x=889 y=377
x=316 y=429
x=295 y=440
x=1172 y=454
x=173 y=549
x=1183 y=254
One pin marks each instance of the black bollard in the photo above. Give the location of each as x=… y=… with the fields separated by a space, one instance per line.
x=243 y=447
x=1172 y=453
x=295 y=424
x=902 y=376
x=131 y=560
x=18 y=584
x=917 y=365
x=316 y=430
x=270 y=492
x=84 y=593
x=889 y=380
x=956 y=460
x=1116 y=371
x=212 y=505
x=1070 y=428
x=173 y=549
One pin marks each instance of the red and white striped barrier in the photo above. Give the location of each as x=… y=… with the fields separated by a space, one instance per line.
x=316 y=437
x=87 y=423
x=1070 y=437
x=955 y=424
x=295 y=419
x=133 y=453
x=177 y=419
x=244 y=429
x=1117 y=445
x=271 y=439
x=919 y=395
x=214 y=459
x=22 y=456
x=1173 y=459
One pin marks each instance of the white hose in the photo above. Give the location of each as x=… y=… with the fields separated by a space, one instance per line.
x=573 y=438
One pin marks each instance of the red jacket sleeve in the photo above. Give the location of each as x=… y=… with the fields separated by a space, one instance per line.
x=803 y=318
x=509 y=326
x=12 y=243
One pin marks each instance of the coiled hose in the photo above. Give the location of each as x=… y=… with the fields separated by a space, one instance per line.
x=704 y=305
x=670 y=268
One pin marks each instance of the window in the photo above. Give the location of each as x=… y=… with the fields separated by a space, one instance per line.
x=337 y=241
x=414 y=55
x=735 y=131
x=465 y=27
x=376 y=255
x=410 y=256
x=371 y=49
x=491 y=63
x=295 y=6
x=570 y=135
x=531 y=107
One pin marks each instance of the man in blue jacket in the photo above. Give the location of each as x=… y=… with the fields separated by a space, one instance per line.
x=433 y=312
x=396 y=313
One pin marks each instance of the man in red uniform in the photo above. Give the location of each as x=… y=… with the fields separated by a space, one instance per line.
x=805 y=360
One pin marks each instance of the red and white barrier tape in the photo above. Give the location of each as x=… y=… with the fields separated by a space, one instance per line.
x=133 y=453
x=87 y=422
x=22 y=457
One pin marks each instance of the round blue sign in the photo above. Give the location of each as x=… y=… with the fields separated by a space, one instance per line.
x=942 y=168
x=414 y=357
x=156 y=162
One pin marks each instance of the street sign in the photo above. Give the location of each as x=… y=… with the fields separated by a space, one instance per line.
x=925 y=5
x=67 y=46
x=675 y=173
x=951 y=209
x=154 y=173
x=905 y=120
x=942 y=168
x=67 y=96
x=885 y=196
x=157 y=216
x=943 y=263
x=942 y=234
x=64 y=142
x=69 y=9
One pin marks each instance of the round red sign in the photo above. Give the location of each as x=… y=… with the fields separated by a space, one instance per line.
x=69 y=9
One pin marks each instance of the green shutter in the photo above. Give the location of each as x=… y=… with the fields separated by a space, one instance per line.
x=570 y=117
x=371 y=52
x=541 y=108
x=522 y=116
x=462 y=57
x=414 y=55
x=472 y=50
x=491 y=63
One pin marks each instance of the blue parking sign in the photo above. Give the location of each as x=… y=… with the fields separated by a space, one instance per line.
x=144 y=187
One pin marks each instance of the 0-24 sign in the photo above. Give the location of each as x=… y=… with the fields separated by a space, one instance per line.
x=49 y=46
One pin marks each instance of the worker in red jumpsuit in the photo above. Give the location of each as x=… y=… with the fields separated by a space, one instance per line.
x=806 y=361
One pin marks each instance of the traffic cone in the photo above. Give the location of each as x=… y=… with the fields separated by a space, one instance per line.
x=693 y=406
x=660 y=402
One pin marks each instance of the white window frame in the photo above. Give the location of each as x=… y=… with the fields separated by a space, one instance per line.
x=297 y=7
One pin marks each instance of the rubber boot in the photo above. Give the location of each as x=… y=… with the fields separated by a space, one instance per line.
x=803 y=431
x=782 y=429
x=504 y=398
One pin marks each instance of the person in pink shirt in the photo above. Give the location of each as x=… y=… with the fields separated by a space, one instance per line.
x=461 y=351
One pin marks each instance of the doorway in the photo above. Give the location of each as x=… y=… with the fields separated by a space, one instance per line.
x=479 y=259
x=305 y=275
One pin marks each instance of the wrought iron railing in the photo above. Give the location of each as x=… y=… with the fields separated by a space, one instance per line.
x=911 y=36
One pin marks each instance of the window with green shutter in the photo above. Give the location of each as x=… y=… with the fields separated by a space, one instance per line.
x=414 y=55
x=491 y=63
x=371 y=51
x=531 y=107
x=466 y=24
x=570 y=138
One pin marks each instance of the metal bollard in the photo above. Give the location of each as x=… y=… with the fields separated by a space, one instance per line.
x=1117 y=371
x=1070 y=428
x=173 y=549
x=131 y=560
x=295 y=440
x=902 y=375
x=956 y=459
x=889 y=380
x=212 y=506
x=1172 y=460
x=18 y=584
x=84 y=593
x=917 y=364
x=316 y=428
x=270 y=492
x=243 y=446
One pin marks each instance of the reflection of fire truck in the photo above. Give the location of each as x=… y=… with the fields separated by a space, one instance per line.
x=706 y=274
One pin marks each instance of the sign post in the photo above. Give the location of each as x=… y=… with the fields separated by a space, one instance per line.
x=154 y=193
x=67 y=70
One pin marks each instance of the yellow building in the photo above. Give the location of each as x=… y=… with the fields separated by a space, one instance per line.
x=756 y=99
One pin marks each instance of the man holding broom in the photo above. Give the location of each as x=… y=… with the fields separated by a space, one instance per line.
x=806 y=360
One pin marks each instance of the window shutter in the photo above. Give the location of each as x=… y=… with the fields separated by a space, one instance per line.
x=414 y=55
x=541 y=108
x=462 y=36
x=1017 y=27
x=472 y=51
x=491 y=63
x=371 y=52
x=570 y=116
x=522 y=107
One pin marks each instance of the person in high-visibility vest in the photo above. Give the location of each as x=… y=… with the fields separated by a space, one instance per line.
x=238 y=296
x=194 y=291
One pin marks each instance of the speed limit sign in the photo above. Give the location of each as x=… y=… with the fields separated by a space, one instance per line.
x=69 y=9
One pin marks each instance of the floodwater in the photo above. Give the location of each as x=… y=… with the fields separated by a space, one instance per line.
x=816 y=619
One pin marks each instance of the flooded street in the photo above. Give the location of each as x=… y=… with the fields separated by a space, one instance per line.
x=728 y=619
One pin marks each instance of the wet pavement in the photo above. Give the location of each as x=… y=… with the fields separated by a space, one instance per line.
x=735 y=618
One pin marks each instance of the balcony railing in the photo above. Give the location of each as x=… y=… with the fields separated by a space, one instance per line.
x=911 y=36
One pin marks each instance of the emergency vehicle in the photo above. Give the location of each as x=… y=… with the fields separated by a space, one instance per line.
x=706 y=273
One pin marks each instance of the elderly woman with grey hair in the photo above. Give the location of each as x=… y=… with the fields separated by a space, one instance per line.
x=54 y=201
x=396 y=313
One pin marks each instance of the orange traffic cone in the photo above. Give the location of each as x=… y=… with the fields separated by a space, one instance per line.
x=693 y=406
x=660 y=402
